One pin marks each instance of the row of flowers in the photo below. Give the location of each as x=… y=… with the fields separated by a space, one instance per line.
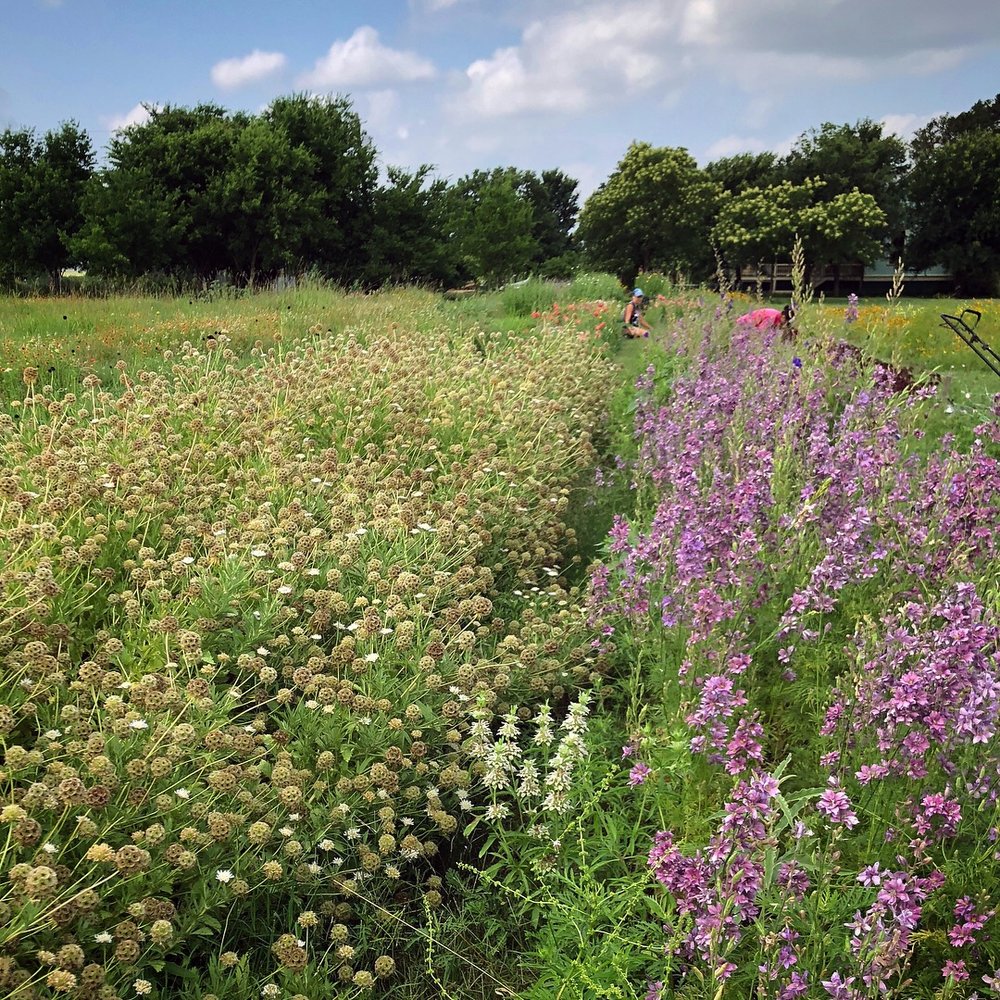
x=817 y=602
x=253 y=617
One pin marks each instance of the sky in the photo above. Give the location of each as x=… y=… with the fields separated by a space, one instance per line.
x=536 y=84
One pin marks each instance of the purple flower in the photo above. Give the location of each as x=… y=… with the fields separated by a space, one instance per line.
x=851 y=312
x=638 y=774
x=797 y=362
x=836 y=806
x=955 y=970
x=838 y=988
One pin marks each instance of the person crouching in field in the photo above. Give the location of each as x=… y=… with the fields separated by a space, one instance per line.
x=635 y=325
x=772 y=319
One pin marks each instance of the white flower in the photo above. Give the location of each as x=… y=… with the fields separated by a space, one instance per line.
x=103 y=938
x=49 y=848
x=352 y=833
x=286 y=831
x=53 y=734
x=259 y=553
x=182 y=793
x=224 y=875
x=263 y=651
x=327 y=845
x=270 y=991
x=371 y=657
x=138 y=724
x=337 y=860
x=285 y=589
x=187 y=560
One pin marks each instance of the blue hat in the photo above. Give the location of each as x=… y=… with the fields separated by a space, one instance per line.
x=637 y=291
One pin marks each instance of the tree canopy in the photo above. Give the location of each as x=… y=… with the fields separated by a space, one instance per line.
x=41 y=188
x=653 y=213
x=203 y=192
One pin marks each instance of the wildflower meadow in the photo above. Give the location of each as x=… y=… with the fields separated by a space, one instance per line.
x=385 y=645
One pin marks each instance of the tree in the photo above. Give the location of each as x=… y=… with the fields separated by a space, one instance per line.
x=261 y=201
x=735 y=174
x=409 y=239
x=653 y=213
x=955 y=191
x=201 y=191
x=337 y=188
x=492 y=223
x=554 y=208
x=172 y=170
x=41 y=188
x=762 y=224
x=983 y=116
x=857 y=156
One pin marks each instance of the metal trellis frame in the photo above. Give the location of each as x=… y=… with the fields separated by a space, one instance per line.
x=965 y=327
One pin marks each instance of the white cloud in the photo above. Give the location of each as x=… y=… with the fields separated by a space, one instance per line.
x=731 y=145
x=137 y=115
x=573 y=60
x=382 y=105
x=362 y=60
x=232 y=73
x=906 y=124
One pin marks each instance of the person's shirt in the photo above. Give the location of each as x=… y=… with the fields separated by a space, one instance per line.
x=762 y=319
x=632 y=320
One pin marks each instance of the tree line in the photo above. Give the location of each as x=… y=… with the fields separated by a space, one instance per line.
x=203 y=192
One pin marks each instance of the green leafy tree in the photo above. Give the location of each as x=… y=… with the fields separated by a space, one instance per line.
x=409 y=241
x=42 y=183
x=201 y=191
x=955 y=192
x=261 y=201
x=554 y=207
x=172 y=170
x=859 y=156
x=850 y=227
x=762 y=224
x=983 y=116
x=653 y=213
x=735 y=174
x=131 y=225
x=330 y=229
x=492 y=224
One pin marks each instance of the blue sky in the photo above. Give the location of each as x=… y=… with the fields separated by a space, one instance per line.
x=536 y=84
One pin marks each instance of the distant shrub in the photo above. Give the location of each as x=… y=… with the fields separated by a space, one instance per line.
x=526 y=297
x=655 y=283
x=589 y=286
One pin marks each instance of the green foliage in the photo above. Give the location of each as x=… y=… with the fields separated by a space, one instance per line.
x=532 y=295
x=201 y=191
x=956 y=210
x=735 y=174
x=983 y=116
x=653 y=212
x=594 y=286
x=41 y=188
x=409 y=240
x=492 y=224
x=857 y=157
x=761 y=224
